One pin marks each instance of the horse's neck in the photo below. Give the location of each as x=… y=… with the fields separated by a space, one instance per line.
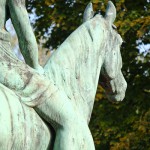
x=96 y=52
x=75 y=66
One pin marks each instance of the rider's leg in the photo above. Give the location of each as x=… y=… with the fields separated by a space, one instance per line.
x=31 y=87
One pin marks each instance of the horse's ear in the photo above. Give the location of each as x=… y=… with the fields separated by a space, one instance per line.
x=110 y=14
x=88 y=13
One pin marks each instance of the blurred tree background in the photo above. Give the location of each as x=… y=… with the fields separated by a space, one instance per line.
x=115 y=126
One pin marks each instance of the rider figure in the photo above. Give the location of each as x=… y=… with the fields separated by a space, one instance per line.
x=14 y=73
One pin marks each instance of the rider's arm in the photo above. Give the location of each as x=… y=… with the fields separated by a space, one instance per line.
x=27 y=41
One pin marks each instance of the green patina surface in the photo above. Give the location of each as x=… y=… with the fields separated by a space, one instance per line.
x=63 y=95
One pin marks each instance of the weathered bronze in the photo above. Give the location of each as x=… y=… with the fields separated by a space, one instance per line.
x=63 y=92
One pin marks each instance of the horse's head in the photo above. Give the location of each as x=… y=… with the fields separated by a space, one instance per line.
x=111 y=77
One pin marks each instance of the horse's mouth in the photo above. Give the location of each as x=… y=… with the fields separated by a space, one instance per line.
x=115 y=91
x=112 y=96
x=117 y=97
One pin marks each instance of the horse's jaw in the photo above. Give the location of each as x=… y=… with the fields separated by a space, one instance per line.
x=115 y=88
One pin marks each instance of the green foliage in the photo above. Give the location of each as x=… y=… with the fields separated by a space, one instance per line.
x=126 y=125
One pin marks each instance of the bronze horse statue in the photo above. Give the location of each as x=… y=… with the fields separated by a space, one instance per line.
x=93 y=49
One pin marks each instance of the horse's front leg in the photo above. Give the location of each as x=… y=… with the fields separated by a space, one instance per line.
x=72 y=131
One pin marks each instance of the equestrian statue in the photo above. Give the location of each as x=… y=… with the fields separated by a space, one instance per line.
x=50 y=107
